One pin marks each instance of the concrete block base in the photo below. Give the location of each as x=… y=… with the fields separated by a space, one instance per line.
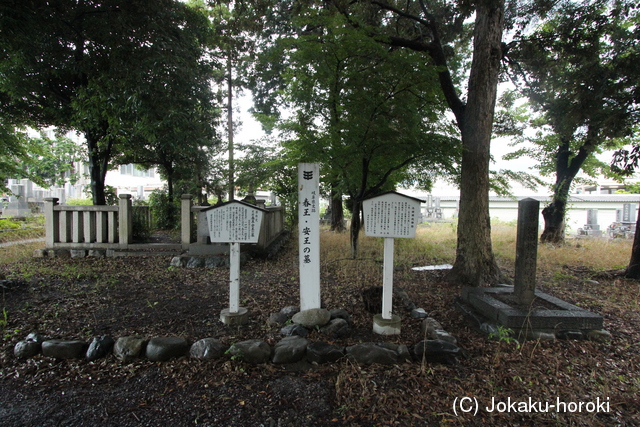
x=383 y=326
x=239 y=318
x=546 y=315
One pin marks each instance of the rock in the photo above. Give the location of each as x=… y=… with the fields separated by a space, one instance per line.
x=251 y=351
x=321 y=352
x=195 y=262
x=430 y=324
x=26 y=349
x=436 y=351
x=439 y=334
x=368 y=353
x=290 y=349
x=336 y=328
x=78 y=253
x=214 y=262
x=290 y=310
x=207 y=349
x=312 y=318
x=60 y=253
x=294 y=329
x=96 y=253
x=35 y=336
x=41 y=253
x=178 y=261
x=340 y=313
x=99 y=347
x=404 y=353
x=130 y=348
x=601 y=336
x=165 y=348
x=277 y=319
x=64 y=349
x=419 y=313
x=570 y=335
x=542 y=336
x=489 y=328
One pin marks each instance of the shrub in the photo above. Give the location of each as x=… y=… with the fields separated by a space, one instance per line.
x=164 y=210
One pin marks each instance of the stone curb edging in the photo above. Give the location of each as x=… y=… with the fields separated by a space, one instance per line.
x=438 y=346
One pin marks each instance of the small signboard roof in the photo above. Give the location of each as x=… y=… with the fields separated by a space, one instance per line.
x=233 y=202
x=396 y=193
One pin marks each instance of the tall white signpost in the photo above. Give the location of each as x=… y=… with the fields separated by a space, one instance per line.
x=234 y=222
x=309 y=235
x=389 y=215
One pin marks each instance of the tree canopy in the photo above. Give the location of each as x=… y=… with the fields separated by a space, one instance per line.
x=579 y=71
x=93 y=66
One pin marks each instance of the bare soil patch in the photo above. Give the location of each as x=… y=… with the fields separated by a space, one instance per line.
x=83 y=298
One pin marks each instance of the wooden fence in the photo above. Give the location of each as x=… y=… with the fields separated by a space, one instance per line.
x=111 y=227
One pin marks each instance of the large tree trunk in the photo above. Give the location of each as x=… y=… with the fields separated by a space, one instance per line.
x=553 y=215
x=633 y=269
x=337 y=212
x=475 y=263
x=97 y=169
x=356 y=225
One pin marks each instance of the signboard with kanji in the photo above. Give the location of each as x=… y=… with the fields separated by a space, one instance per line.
x=391 y=214
x=234 y=221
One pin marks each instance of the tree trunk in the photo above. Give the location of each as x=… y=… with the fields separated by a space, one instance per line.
x=97 y=172
x=475 y=263
x=356 y=225
x=337 y=212
x=553 y=215
x=633 y=269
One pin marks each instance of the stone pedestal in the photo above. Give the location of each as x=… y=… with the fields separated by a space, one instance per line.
x=239 y=318
x=382 y=326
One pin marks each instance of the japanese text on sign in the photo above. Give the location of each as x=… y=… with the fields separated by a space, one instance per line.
x=234 y=223
x=391 y=215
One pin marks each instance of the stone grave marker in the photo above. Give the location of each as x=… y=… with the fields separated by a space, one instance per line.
x=628 y=213
x=234 y=222
x=18 y=206
x=309 y=235
x=526 y=251
x=390 y=215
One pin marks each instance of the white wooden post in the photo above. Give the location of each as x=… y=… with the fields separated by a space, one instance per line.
x=309 y=235
x=234 y=277
x=387 y=279
x=185 y=220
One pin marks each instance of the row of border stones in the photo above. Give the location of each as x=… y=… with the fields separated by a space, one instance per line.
x=439 y=346
x=290 y=349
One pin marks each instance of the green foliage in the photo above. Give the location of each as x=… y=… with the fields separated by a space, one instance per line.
x=54 y=166
x=17 y=153
x=76 y=65
x=7 y=224
x=140 y=221
x=164 y=210
x=79 y=202
x=579 y=72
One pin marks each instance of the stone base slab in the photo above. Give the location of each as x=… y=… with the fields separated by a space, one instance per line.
x=547 y=313
x=383 y=326
x=239 y=318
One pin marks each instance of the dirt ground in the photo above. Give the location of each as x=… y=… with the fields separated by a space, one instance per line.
x=84 y=298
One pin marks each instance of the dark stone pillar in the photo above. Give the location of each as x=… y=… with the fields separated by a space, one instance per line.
x=526 y=251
